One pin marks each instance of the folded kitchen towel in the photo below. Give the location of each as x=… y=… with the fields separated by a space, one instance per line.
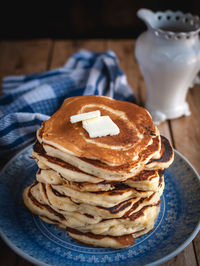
x=28 y=100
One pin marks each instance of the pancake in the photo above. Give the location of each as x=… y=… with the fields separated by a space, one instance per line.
x=41 y=165
x=102 y=198
x=99 y=169
x=166 y=156
x=38 y=205
x=76 y=172
x=67 y=171
x=129 y=223
x=45 y=195
x=63 y=203
x=52 y=177
x=49 y=176
x=136 y=130
x=117 y=242
x=125 y=225
x=146 y=180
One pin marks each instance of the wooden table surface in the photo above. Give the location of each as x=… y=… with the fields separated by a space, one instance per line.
x=23 y=57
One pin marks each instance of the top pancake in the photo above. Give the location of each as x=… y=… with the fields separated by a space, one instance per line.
x=136 y=130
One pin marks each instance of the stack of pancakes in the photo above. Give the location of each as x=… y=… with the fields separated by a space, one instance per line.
x=103 y=191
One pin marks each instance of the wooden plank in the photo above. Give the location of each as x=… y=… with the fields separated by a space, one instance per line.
x=63 y=49
x=197 y=247
x=124 y=50
x=186 y=130
x=185 y=258
x=165 y=131
x=21 y=57
x=189 y=255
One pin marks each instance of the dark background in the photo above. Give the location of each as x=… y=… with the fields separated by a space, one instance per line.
x=81 y=18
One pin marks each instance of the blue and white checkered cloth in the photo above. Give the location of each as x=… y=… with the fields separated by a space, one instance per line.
x=28 y=100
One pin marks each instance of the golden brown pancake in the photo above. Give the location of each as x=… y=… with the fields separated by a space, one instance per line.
x=146 y=181
x=166 y=156
x=136 y=130
x=132 y=220
x=93 y=171
x=117 y=242
x=63 y=204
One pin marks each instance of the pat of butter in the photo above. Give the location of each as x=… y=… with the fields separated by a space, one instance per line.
x=84 y=116
x=100 y=127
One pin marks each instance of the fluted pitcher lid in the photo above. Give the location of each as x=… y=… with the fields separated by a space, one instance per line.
x=169 y=24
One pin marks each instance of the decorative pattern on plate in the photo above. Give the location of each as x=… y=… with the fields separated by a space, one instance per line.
x=44 y=244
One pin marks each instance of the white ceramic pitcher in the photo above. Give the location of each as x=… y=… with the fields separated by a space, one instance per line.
x=168 y=54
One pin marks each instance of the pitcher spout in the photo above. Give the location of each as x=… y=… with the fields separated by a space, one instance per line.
x=147 y=16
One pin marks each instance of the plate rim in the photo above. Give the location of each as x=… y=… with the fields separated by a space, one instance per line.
x=33 y=260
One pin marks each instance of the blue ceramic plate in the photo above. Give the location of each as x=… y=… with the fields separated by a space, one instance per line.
x=44 y=244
